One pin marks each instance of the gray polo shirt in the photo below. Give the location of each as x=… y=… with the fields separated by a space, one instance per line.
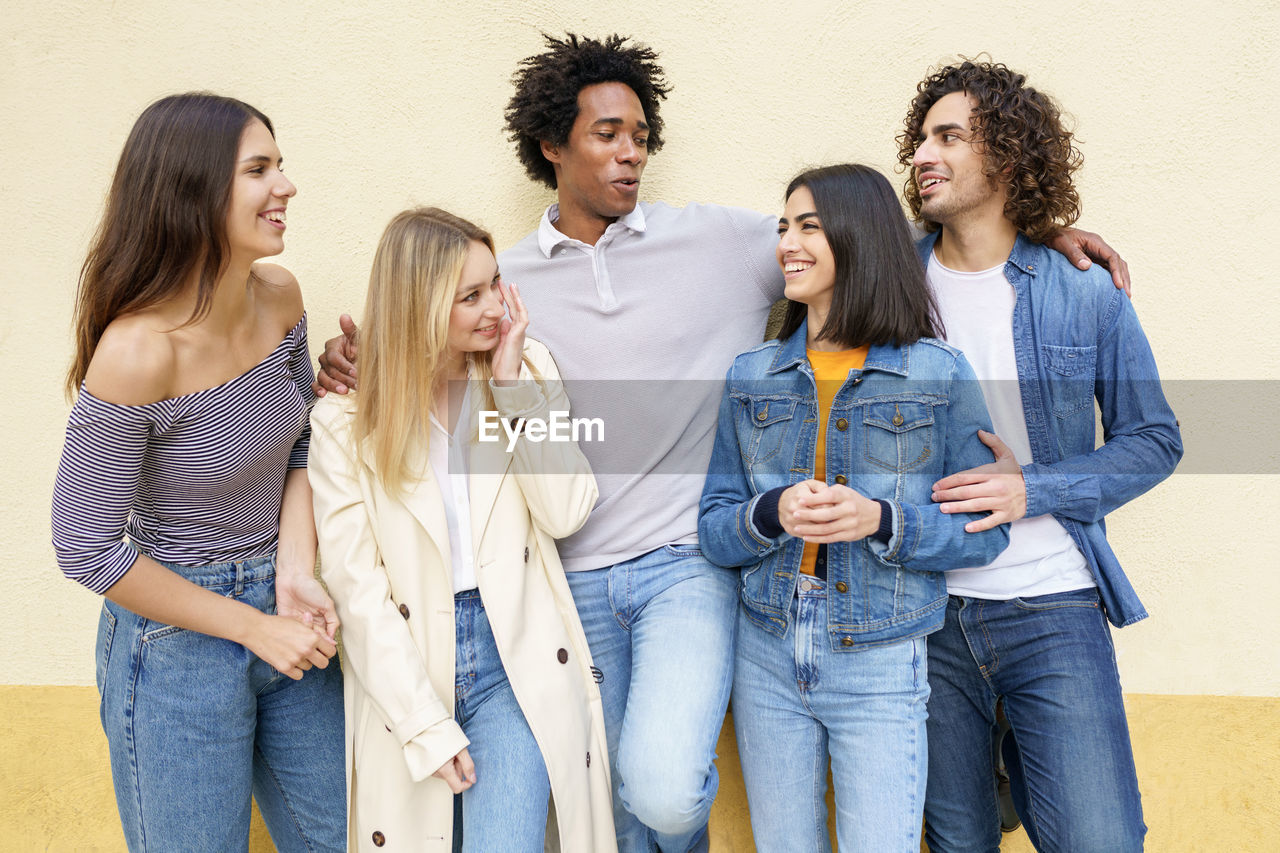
x=643 y=326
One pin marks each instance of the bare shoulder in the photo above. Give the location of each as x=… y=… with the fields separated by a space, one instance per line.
x=134 y=362
x=279 y=293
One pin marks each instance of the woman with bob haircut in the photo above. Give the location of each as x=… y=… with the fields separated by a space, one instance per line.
x=182 y=496
x=828 y=443
x=468 y=671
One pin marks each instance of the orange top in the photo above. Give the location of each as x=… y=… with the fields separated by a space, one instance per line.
x=830 y=370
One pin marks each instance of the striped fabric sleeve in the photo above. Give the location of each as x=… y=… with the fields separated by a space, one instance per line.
x=96 y=485
x=303 y=374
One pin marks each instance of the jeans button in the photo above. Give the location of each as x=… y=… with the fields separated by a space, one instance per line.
x=846 y=641
x=842 y=587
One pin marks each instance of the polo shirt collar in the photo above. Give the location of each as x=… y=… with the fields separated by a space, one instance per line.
x=549 y=237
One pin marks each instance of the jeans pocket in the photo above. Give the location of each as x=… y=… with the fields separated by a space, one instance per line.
x=1087 y=597
x=683 y=550
x=106 y=633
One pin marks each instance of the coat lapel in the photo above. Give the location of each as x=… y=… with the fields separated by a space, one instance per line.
x=422 y=499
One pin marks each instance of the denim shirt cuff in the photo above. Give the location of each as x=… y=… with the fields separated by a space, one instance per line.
x=764 y=513
x=1043 y=489
x=906 y=529
x=759 y=541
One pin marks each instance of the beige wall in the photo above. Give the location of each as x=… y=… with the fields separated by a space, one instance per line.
x=379 y=106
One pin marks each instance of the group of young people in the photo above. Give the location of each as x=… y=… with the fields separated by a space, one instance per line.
x=891 y=524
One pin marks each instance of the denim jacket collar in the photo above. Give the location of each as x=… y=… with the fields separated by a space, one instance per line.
x=791 y=353
x=1025 y=255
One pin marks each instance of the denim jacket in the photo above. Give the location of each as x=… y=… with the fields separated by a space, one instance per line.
x=896 y=426
x=1077 y=339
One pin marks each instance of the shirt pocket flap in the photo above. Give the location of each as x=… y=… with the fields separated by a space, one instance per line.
x=898 y=415
x=770 y=410
x=1069 y=361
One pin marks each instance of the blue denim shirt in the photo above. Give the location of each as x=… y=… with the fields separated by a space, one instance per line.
x=1077 y=339
x=908 y=417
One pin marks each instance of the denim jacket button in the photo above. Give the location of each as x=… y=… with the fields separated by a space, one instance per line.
x=842 y=424
x=842 y=587
x=841 y=479
x=846 y=641
x=761 y=415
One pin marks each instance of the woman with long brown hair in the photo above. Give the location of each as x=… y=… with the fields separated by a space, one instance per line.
x=182 y=496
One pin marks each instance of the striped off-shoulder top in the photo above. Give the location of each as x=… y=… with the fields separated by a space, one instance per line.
x=190 y=480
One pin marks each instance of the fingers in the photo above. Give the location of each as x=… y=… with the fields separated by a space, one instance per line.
x=962 y=478
x=466 y=767
x=998 y=447
x=996 y=518
x=348 y=327
x=449 y=774
x=1120 y=276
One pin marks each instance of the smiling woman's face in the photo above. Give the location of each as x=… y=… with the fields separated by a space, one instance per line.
x=804 y=254
x=478 y=308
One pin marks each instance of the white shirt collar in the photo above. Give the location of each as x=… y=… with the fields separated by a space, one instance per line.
x=549 y=237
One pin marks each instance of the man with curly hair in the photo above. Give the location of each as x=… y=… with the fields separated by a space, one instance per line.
x=991 y=178
x=631 y=297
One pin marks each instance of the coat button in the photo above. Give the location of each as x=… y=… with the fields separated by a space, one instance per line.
x=379 y=839
x=842 y=587
x=588 y=759
x=404 y=610
x=562 y=656
x=841 y=479
x=842 y=424
x=526 y=554
x=847 y=641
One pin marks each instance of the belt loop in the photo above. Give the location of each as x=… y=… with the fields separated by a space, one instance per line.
x=239 y=579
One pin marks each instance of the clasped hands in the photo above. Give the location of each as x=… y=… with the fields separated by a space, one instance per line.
x=816 y=512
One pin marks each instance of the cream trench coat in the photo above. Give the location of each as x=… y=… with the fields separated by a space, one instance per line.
x=386 y=562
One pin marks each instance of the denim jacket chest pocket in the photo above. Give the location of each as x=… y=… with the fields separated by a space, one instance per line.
x=765 y=427
x=898 y=434
x=1069 y=373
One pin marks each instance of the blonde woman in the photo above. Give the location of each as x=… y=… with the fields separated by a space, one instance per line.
x=469 y=671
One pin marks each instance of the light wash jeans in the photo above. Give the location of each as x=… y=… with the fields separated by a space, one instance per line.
x=797 y=701
x=196 y=723
x=506 y=809
x=1074 y=783
x=660 y=628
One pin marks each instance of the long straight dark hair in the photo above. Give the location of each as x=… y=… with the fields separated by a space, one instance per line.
x=166 y=215
x=880 y=294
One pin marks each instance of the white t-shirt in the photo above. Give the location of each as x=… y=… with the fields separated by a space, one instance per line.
x=1042 y=558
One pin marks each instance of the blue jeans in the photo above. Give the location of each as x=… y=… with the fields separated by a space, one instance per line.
x=1051 y=658
x=196 y=724
x=660 y=628
x=796 y=701
x=506 y=809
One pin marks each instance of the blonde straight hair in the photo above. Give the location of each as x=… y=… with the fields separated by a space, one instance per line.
x=404 y=334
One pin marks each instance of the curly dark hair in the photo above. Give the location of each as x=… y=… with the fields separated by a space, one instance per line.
x=545 y=103
x=1023 y=137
